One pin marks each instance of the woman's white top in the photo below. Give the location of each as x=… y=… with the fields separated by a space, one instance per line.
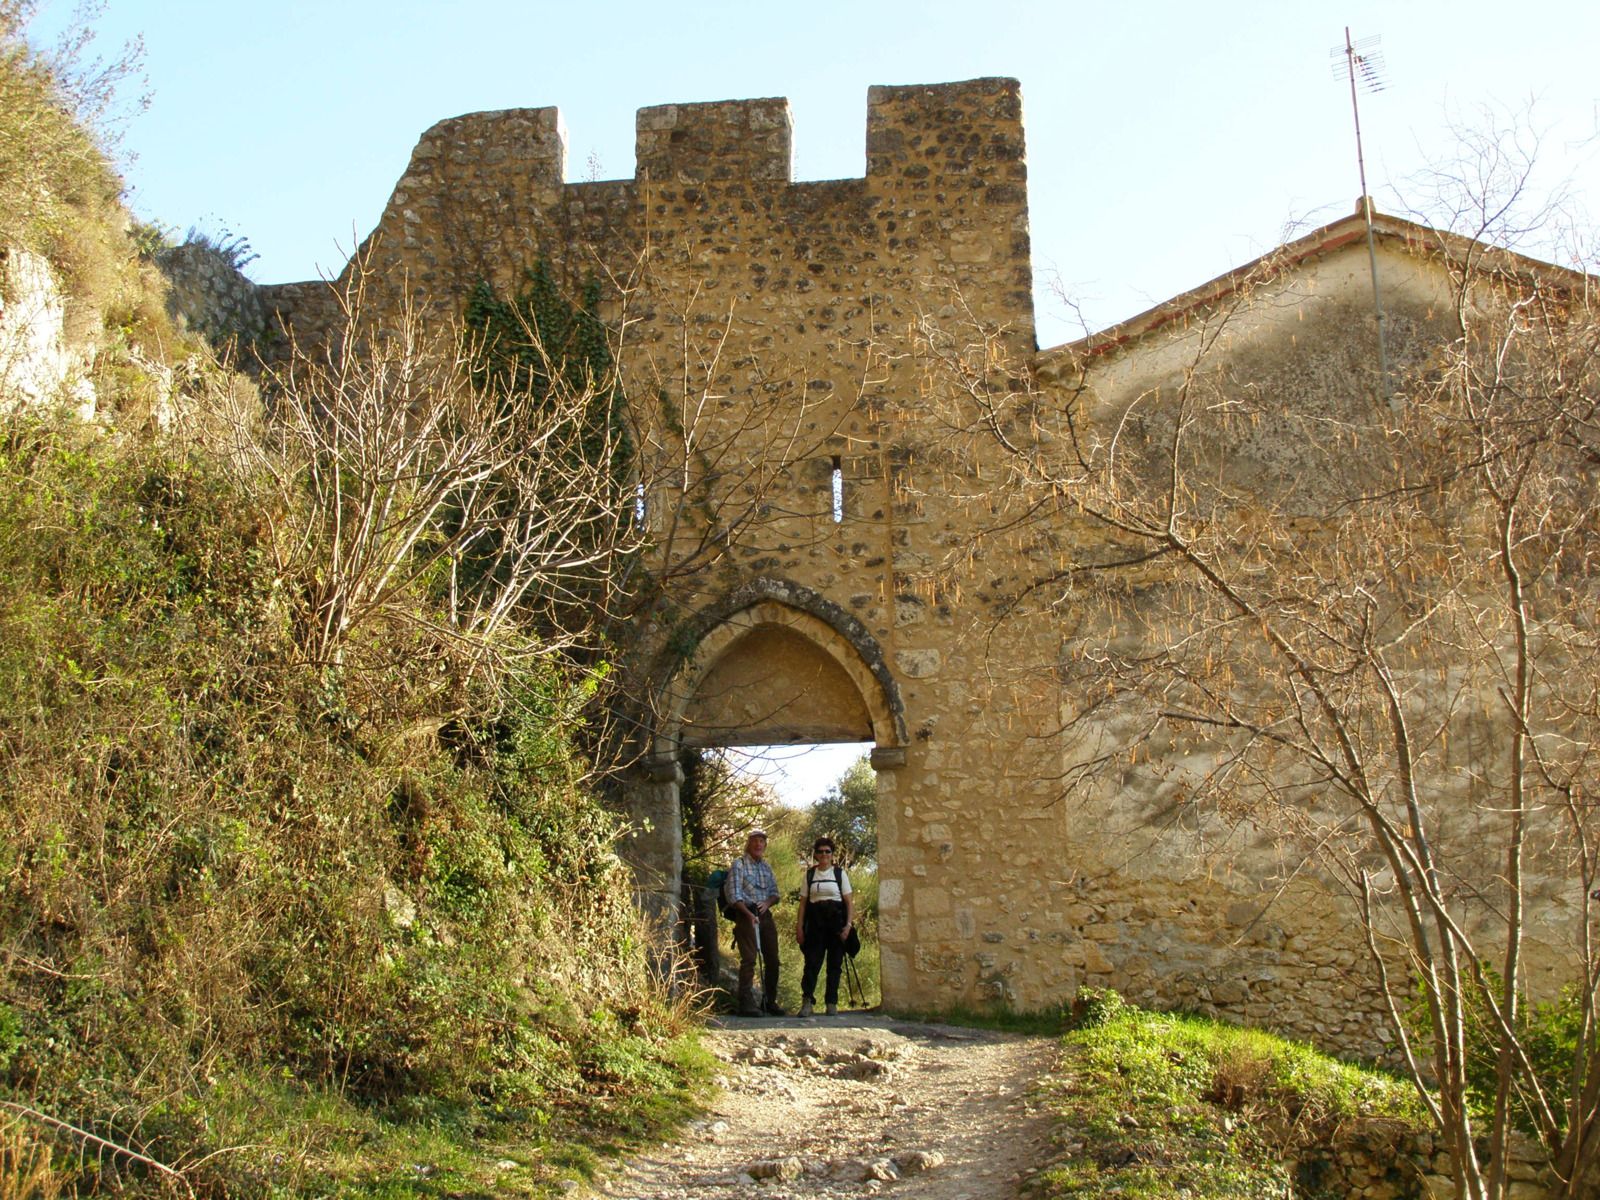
x=823 y=886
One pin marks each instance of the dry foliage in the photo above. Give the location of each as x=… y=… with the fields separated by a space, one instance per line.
x=60 y=196
x=1372 y=620
x=26 y=1170
x=384 y=468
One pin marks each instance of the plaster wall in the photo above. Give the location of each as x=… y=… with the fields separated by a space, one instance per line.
x=1227 y=912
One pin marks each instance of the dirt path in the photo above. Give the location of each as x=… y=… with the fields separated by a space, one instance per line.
x=856 y=1105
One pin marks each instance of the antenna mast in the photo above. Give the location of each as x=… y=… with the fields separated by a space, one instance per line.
x=1363 y=66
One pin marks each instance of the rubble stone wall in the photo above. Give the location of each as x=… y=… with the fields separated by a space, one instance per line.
x=208 y=294
x=774 y=340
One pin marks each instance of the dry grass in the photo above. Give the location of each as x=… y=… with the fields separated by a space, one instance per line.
x=60 y=196
x=26 y=1169
x=1241 y=1076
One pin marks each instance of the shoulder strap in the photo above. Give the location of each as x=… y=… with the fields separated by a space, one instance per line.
x=838 y=880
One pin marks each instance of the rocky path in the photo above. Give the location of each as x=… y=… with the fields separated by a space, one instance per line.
x=856 y=1105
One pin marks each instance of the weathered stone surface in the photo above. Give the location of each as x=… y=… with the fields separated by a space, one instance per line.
x=788 y=320
x=206 y=293
x=912 y=1162
x=39 y=362
x=785 y=1170
x=884 y=1169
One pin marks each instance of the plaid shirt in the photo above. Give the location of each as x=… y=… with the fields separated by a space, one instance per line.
x=751 y=881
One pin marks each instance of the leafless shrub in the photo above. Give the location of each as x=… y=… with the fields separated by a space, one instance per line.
x=1389 y=658
x=384 y=470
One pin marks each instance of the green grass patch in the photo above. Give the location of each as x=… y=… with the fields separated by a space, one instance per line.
x=299 y=1140
x=1161 y=1105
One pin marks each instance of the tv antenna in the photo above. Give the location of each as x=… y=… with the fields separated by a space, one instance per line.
x=1361 y=63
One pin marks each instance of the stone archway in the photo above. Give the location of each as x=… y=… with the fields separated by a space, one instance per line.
x=771 y=663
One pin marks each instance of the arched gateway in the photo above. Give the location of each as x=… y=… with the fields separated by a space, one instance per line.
x=829 y=384
x=800 y=580
x=771 y=663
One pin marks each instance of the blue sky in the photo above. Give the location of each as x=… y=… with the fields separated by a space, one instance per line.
x=1167 y=142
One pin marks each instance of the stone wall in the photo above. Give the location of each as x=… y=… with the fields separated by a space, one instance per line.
x=208 y=294
x=766 y=323
x=1376 y=1160
x=775 y=337
x=1268 y=931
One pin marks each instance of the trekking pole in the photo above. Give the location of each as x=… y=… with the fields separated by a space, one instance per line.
x=761 y=962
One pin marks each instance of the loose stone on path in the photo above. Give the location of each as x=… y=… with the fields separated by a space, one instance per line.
x=866 y=1107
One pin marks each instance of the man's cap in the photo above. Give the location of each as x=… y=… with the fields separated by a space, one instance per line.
x=760 y=833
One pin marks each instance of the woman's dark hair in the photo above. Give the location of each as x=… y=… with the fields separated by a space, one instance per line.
x=821 y=842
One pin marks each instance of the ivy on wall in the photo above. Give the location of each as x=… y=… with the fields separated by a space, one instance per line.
x=541 y=344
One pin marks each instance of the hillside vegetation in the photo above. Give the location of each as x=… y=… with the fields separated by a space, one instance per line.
x=276 y=915
x=1153 y=1105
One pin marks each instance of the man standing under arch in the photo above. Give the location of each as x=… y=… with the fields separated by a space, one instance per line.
x=752 y=891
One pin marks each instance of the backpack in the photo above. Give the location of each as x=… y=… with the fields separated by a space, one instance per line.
x=716 y=883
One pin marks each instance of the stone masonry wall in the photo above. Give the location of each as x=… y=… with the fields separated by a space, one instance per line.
x=773 y=334
x=208 y=294
x=773 y=318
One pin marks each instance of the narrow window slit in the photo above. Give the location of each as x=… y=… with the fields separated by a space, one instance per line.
x=838 y=490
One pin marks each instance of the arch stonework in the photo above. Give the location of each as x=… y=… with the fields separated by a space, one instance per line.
x=739 y=628
x=701 y=643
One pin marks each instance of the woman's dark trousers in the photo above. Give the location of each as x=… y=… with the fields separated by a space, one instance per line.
x=824 y=924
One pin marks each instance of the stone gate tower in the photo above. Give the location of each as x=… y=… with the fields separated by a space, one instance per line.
x=827 y=383
x=775 y=323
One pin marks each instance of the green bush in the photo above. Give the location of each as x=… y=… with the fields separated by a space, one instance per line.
x=222 y=866
x=1550 y=1033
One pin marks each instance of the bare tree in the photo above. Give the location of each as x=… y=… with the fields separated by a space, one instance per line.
x=563 y=499
x=1382 y=645
x=386 y=468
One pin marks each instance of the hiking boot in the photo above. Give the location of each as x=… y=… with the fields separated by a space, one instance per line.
x=774 y=1009
x=805 y=1008
x=833 y=1010
x=748 y=1006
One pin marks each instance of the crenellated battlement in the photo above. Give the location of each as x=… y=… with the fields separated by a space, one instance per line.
x=942 y=206
x=914 y=132
x=750 y=140
x=533 y=140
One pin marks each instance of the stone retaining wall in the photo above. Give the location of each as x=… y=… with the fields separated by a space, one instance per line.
x=207 y=294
